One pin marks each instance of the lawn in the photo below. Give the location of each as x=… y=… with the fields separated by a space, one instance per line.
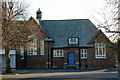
x=14 y=73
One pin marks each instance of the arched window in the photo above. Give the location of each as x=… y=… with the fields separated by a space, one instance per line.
x=32 y=45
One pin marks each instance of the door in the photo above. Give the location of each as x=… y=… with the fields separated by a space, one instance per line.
x=71 y=59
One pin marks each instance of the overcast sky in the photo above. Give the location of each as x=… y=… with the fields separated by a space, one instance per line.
x=65 y=9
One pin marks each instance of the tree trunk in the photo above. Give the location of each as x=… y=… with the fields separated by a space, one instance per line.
x=7 y=54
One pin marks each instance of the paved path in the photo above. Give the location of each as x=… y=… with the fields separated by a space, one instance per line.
x=106 y=74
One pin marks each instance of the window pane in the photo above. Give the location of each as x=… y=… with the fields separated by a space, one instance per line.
x=60 y=51
x=28 y=47
x=57 y=54
x=42 y=47
x=35 y=48
x=71 y=40
x=75 y=40
x=82 y=55
x=103 y=51
x=85 y=55
x=81 y=50
x=60 y=54
x=85 y=51
x=100 y=51
x=54 y=54
x=57 y=51
x=54 y=51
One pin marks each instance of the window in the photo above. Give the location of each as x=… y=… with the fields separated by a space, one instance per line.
x=83 y=53
x=22 y=52
x=73 y=40
x=32 y=45
x=100 y=50
x=58 y=53
x=42 y=47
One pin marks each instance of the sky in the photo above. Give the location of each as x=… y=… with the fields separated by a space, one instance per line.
x=65 y=9
x=68 y=9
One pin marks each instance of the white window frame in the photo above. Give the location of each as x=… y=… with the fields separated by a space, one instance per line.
x=73 y=42
x=41 y=47
x=29 y=52
x=83 y=52
x=58 y=54
x=97 y=49
x=22 y=52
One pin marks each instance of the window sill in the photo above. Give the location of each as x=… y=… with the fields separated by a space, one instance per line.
x=31 y=55
x=58 y=56
x=100 y=58
x=21 y=58
x=83 y=58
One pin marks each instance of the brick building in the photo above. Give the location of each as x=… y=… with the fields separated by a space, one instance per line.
x=75 y=43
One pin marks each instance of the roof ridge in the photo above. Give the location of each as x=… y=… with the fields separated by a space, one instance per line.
x=65 y=19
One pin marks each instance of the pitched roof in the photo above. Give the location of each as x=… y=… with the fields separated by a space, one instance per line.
x=61 y=30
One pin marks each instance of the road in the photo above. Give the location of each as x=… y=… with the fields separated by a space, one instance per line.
x=62 y=74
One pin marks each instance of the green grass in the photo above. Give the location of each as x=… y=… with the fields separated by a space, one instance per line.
x=14 y=73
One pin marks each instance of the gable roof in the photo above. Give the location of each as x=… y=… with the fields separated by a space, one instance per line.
x=61 y=30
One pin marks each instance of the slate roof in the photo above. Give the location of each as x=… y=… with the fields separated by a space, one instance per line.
x=61 y=30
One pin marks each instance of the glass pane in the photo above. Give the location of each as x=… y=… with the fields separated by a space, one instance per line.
x=85 y=51
x=60 y=54
x=85 y=55
x=28 y=47
x=57 y=51
x=74 y=40
x=31 y=48
x=54 y=51
x=81 y=55
x=31 y=42
x=61 y=51
x=81 y=50
x=96 y=51
x=57 y=54
x=103 y=51
x=71 y=40
x=95 y=45
x=54 y=54
x=100 y=51
x=35 y=48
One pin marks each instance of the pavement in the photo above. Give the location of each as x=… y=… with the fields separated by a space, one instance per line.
x=64 y=74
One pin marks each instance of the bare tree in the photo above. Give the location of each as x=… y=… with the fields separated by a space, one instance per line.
x=14 y=33
x=110 y=18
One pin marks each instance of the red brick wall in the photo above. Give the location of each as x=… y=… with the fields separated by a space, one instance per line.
x=84 y=63
x=58 y=62
x=38 y=61
x=110 y=57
